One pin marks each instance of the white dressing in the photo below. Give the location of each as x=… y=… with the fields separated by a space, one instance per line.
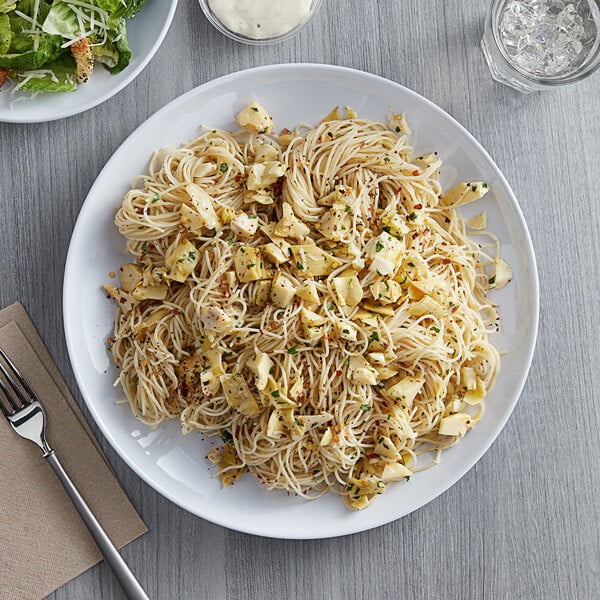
x=260 y=19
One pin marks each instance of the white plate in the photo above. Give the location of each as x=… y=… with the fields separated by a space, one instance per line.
x=174 y=464
x=145 y=34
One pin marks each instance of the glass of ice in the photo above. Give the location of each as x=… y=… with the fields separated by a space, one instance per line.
x=539 y=44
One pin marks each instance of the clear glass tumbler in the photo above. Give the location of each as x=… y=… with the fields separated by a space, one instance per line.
x=540 y=44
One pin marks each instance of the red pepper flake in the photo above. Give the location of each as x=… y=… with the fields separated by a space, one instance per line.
x=338 y=372
x=373 y=456
x=238 y=178
x=285 y=131
x=446 y=261
x=175 y=311
x=415 y=172
x=418 y=206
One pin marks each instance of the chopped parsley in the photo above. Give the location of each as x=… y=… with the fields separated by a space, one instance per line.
x=275 y=393
x=378 y=246
x=292 y=350
x=374 y=337
x=226 y=436
x=155 y=198
x=223 y=168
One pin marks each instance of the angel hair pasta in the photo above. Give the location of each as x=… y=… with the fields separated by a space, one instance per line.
x=312 y=298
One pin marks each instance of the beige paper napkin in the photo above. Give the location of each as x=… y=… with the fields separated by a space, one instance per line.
x=43 y=542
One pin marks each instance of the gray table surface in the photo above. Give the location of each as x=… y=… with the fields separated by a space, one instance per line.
x=525 y=521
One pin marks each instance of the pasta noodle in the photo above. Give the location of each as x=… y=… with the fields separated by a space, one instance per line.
x=313 y=298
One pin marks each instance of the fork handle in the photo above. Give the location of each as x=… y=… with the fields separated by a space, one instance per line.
x=125 y=577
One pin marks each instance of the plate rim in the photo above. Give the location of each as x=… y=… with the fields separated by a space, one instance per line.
x=109 y=93
x=498 y=426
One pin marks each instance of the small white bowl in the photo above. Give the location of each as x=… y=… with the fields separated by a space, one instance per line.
x=238 y=37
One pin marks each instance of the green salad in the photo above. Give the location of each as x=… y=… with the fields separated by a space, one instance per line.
x=52 y=46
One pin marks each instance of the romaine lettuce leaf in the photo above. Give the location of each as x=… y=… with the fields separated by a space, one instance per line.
x=7 y=5
x=22 y=52
x=5 y=34
x=122 y=47
x=60 y=79
x=125 y=9
x=61 y=20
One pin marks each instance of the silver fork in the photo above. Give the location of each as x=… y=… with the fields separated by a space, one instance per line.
x=27 y=417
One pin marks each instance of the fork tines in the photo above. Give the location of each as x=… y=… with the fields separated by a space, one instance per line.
x=15 y=395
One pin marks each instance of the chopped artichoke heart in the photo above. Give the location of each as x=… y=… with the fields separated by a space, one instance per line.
x=310 y=259
x=238 y=395
x=282 y=290
x=275 y=254
x=209 y=383
x=405 y=391
x=327 y=437
x=150 y=292
x=311 y=319
x=285 y=139
x=282 y=422
x=336 y=223
x=334 y=115
x=215 y=359
x=382 y=266
x=455 y=425
x=130 y=275
x=366 y=316
x=229 y=458
x=244 y=225
x=216 y=320
x=348 y=290
x=290 y=225
x=345 y=330
x=361 y=371
x=476 y=395
x=463 y=193
x=385 y=310
x=264 y=174
x=387 y=291
x=386 y=448
x=395 y=472
x=397 y=122
x=262 y=292
x=395 y=225
x=377 y=358
x=261 y=366
x=255 y=118
x=297 y=388
x=248 y=263
x=468 y=379
x=362 y=491
x=478 y=222
x=124 y=300
x=307 y=290
x=202 y=202
x=266 y=153
x=386 y=372
x=503 y=273
x=181 y=260
x=263 y=197
x=385 y=246
x=426 y=306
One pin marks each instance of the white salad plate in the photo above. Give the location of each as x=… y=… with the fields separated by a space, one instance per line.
x=174 y=464
x=145 y=34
